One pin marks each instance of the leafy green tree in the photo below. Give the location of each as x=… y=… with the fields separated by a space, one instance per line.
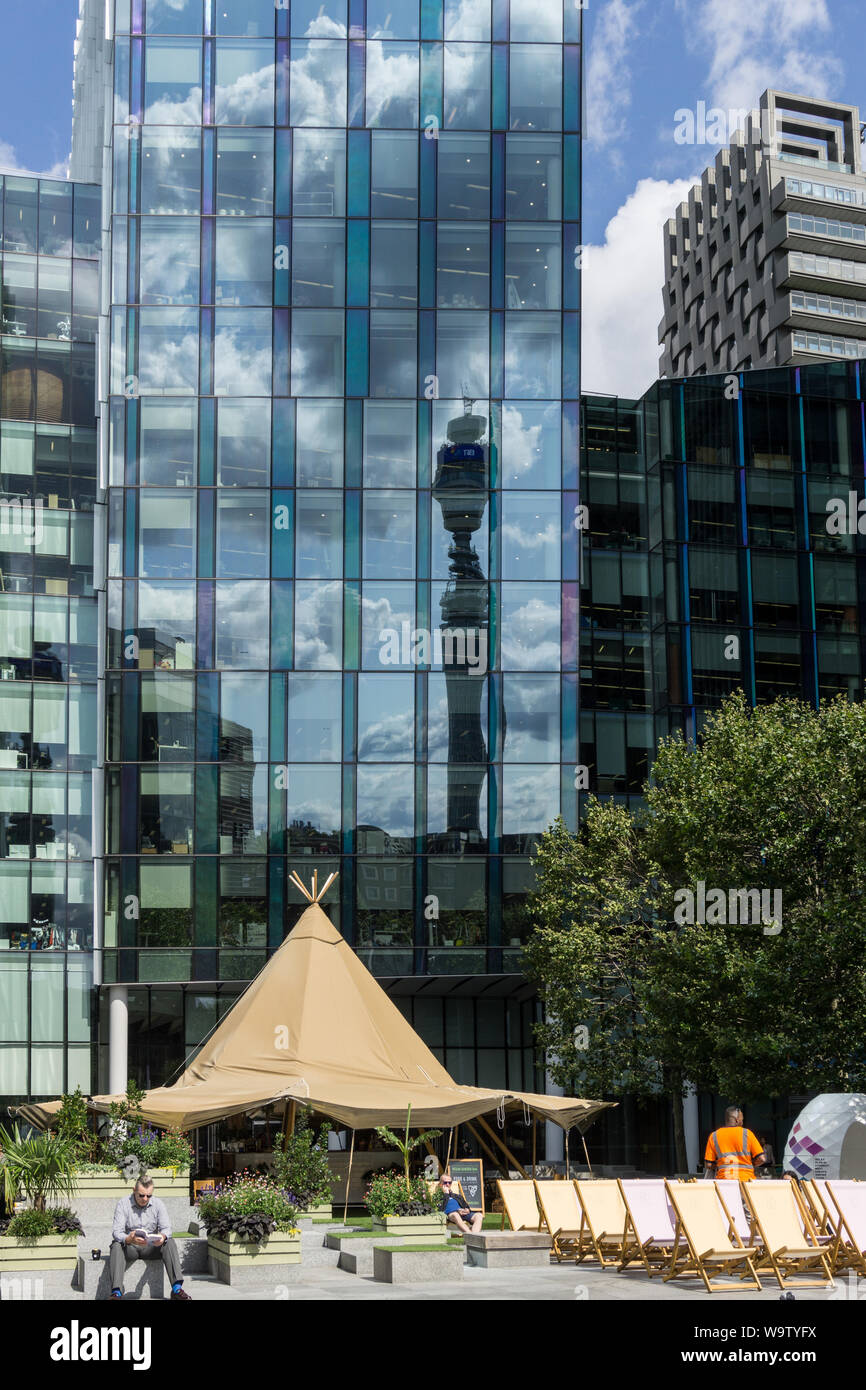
x=772 y=798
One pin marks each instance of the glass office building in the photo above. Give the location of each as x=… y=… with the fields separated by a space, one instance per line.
x=339 y=399
x=49 y=245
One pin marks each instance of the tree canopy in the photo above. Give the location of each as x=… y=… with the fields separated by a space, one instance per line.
x=772 y=798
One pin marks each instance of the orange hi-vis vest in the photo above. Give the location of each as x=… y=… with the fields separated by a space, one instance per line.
x=733 y=1150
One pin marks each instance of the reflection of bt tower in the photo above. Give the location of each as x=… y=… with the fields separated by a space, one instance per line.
x=460 y=488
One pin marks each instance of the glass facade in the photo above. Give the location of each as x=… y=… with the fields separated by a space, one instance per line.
x=50 y=235
x=342 y=399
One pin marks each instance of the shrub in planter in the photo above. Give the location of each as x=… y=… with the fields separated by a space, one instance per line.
x=251 y=1207
x=32 y=1224
x=387 y=1195
x=301 y=1163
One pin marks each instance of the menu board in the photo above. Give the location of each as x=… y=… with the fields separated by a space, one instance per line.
x=469 y=1173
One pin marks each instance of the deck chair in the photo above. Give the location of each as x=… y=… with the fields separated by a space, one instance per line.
x=561 y=1216
x=602 y=1220
x=787 y=1234
x=706 y=1238
x=816 y=1200
x=519 y=1204
x=650 y=1229
x=849 y=1219
x=731 y=1197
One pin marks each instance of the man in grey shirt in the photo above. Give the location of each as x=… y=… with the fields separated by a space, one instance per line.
x=137 y=1213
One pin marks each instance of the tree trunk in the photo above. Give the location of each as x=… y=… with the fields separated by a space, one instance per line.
x=676 y=1094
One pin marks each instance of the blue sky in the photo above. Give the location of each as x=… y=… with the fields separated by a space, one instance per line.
x=645 y=60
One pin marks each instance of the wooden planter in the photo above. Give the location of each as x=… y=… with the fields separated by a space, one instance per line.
x=109 y=1186
x=234 y=1260
x=39 y=1252
x=422 y=1229
x=324 y=1209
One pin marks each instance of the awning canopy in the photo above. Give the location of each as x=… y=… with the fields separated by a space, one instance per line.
x=314 y=1026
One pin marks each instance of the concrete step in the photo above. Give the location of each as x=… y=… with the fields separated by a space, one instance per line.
x=144 y=1278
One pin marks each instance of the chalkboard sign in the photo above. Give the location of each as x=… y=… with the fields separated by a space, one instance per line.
x=469 y=1173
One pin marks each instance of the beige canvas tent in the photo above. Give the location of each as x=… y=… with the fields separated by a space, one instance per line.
x=315 y=1027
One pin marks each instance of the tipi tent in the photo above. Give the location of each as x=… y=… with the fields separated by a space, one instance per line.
x=314 y=1026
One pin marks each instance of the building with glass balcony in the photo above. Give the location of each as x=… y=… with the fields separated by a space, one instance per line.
x=765 y=263
x=50 y=233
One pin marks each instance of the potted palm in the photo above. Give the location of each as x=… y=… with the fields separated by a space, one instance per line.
x=301 y=1167
x=41 y=1169
x=400 y=1204
x=252 y=1230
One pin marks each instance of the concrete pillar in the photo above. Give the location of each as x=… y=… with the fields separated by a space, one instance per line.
x=554 y=1137
x=118 y=1039
x=690 y=1125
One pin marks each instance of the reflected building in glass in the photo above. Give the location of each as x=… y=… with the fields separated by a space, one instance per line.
x=50 y=235
x=339 y=401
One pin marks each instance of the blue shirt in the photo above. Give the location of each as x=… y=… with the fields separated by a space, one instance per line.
x=452 y=1203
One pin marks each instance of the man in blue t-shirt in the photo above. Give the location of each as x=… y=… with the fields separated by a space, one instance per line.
x=463 y=1217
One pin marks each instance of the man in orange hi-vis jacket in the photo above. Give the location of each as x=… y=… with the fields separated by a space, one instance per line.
x=733 y=1151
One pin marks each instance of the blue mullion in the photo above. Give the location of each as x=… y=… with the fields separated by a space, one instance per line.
x=206 y=524
x=130 y=529
x=431 y=86
x=358 y=173
x=497 y=355
x=283 y=443
x=497 y=174
x=206 y=352
x=497 y=270
x=282 y=262
x=427 y=265
x=357 y=80
x=350 y=717
x=206 y=474
x=357 y=263
x=357 y=352
x=357 y=19
x=429 y=155
x=500 y=87
x=571 y=87
x=282 y=534
x=281 y=92
x=352 y=534
x=205 y=625
x=283 y=174
x=431 y=19
x=208 y=239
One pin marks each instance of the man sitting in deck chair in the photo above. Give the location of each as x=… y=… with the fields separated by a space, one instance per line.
x=456 y=1211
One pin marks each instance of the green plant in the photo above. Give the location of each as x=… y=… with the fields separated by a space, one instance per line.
x=71 y=1123
x=301 y=1162
x=125 y=1120
x=251 y=1206
x=41 y=1167
x=387 y=1195
x=406 y=1145
x=30 y=1225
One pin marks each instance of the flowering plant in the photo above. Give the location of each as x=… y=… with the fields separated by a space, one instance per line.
x=251 y=1206
x=387 y=1195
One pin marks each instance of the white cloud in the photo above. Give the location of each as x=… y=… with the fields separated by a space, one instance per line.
x=9 y=163
x=608 y=77
x=622 y=292
x=756 y=44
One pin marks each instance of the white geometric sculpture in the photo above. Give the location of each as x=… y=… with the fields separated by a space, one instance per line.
x=828 y=1139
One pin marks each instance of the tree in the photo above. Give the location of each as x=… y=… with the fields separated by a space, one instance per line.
x=406 y=1145
x=770 y=798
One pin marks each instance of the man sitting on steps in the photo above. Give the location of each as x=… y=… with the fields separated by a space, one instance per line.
x=135 y=1218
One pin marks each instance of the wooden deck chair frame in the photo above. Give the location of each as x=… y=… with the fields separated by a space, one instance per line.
x=846 y=1252
x=502 y=1184
x=602 y=1245
x=689 y=1259
x=655 y=1256
x=721 y=1186
x=787 y=1260
x=565 y=1240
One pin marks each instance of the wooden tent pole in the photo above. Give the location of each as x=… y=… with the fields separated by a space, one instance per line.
x=567 y=1169
x=349 y=1178
x=503 y=1146
x=586 y=1152
x=448 y=1155
x=480 y=1137
x=533 y=1147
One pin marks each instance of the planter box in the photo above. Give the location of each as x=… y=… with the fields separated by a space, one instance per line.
x=422 y=1229
x=238 y=1261
x=114 y=1186
x=42 y=1252
x=324 y=1209
x=394 y=1264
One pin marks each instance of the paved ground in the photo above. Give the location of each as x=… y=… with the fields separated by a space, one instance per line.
x=561 y=1283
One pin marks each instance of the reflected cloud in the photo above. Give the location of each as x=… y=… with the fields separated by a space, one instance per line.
x=318 y=626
